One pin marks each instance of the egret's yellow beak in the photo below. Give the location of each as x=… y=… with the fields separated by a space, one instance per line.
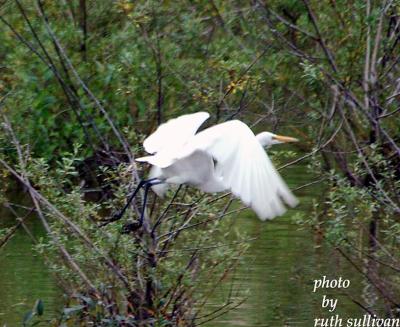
x=284 y=139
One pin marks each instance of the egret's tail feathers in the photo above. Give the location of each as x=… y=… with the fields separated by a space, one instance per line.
x=162 y=161
x=159 y=189
x=143 y=159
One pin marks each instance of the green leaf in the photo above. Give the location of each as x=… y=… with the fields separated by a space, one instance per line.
x=39 y=307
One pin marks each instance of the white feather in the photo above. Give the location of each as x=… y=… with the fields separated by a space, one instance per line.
x=175 y=132
x=159 y=189
x=245 y=168
x=242 y=166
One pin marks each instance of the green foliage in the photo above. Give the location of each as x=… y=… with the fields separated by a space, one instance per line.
x=205 y=243
x=323 y=71
x=37 y=311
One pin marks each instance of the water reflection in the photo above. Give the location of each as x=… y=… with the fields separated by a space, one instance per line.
x=278 y=270
x=24 y=277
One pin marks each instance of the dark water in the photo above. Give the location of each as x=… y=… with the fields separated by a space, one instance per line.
x=279 y=268
x=24 y=277
x=276 y=273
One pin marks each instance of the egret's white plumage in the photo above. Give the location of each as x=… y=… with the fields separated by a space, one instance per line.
x=227 y=156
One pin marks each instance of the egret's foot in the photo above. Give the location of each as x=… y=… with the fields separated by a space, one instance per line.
x=131 y=227
x=114 y=217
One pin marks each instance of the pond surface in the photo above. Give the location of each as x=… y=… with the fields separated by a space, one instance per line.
x=277 y=272
x=280 y=266
x=24 y=276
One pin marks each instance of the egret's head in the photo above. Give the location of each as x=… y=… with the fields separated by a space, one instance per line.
x=267 y=139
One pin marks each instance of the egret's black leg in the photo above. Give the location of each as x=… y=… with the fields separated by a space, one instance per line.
x=133 y=226
x=146 y=192
x=118 y=215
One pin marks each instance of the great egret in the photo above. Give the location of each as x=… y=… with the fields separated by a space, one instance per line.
x=227 y=156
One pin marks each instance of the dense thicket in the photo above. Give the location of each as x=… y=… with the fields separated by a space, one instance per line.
x=83 y=81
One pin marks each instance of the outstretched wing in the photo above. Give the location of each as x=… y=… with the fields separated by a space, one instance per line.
x=175 y=132
x=245 y=168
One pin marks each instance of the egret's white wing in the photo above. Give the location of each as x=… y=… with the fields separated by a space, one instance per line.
x=245 y=168
x=175 y=132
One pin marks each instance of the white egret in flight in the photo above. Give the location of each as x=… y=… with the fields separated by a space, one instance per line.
x=224 y=157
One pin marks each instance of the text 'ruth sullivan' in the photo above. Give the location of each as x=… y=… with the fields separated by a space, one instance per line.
x=365 y=321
